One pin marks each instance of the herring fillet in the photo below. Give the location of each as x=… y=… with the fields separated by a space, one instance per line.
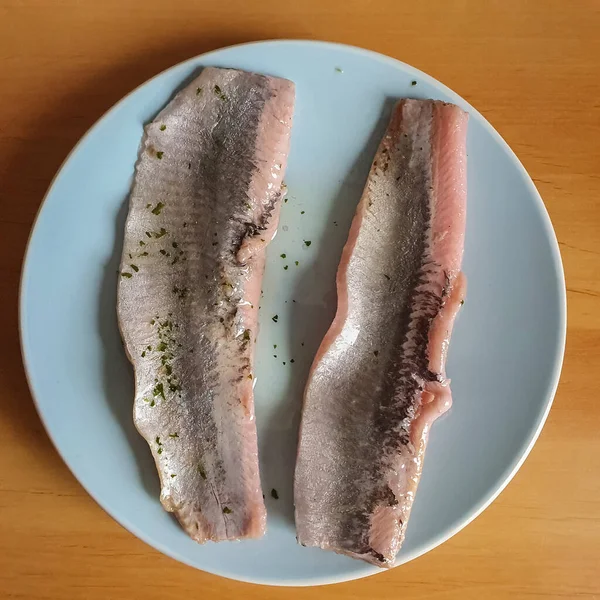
x=378 y=380
x=203 y=207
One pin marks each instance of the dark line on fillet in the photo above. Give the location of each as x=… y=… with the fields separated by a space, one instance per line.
x=222 y=180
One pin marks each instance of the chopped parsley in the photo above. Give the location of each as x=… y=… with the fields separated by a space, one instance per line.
x=274 y=494
x=201 y=470
x=296 y=262
x=219 y=93
x=159 y=391
x=226 y=509
x=338 y=70
x=275 y=318
x=307 y=243
x=413 y=82
x=282 y=255
x=286 y=267
x=302 y=212
x=198 y=91
x=135 y=268
x=159 y=155
x=174 y=435
x=162 y=127
x=126 y=274
x=157 y=209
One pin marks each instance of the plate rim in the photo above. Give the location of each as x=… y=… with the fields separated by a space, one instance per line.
x=561 y=323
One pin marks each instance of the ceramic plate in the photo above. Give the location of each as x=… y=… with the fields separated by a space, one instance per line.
x=504 y=359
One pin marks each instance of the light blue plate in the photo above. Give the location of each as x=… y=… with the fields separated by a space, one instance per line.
x=505 y=356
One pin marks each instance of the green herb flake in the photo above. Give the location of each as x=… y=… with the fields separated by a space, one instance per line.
x=173 y=435
x=284 y=363
x=292 y=361
x=286 y=267
x=413 y=82
x=198 y=91
x=275 y=318
x=302 y=212
x=142 y=243
x=157 y=209
x=307 y=243
x=158 y=441
x=282 y=255
x=162 y=127
x=144 y=254
x=462 y=302
x=376 y=353
x=135 y=268
x=126 y=274
x=159 y=451
x=387 y=276
x=338 y=70
x=274 y=494
x=219 y=93
x=285 y=200
x=226 y=509
x=274 y=355
x=161 y=347
x=274 y=345
x=201 y=470
x=159 y=155
x=246 y=335
x=148 y=234
x=174 y=244
x=173 y=475
x=161 y=233
x=159 y=391
x=144 y=354
x=296 y=263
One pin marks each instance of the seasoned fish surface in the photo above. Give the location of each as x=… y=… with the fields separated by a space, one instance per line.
x=204 y=205
x=378 y=380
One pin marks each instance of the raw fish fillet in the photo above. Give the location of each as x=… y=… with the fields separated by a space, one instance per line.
x=204 y=205
x=378 y=381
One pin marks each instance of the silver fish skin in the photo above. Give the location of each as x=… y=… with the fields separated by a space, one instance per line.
x=204 y=206
x=378 y=380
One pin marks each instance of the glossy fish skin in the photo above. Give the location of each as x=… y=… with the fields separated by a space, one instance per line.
x=204 y=205
x=378 y=381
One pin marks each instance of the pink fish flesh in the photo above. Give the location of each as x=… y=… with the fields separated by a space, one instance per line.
x=378 y=381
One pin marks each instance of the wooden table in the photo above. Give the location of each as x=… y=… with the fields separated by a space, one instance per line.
x=532 y=68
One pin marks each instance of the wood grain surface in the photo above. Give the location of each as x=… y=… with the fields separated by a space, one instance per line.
x=532 y=68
